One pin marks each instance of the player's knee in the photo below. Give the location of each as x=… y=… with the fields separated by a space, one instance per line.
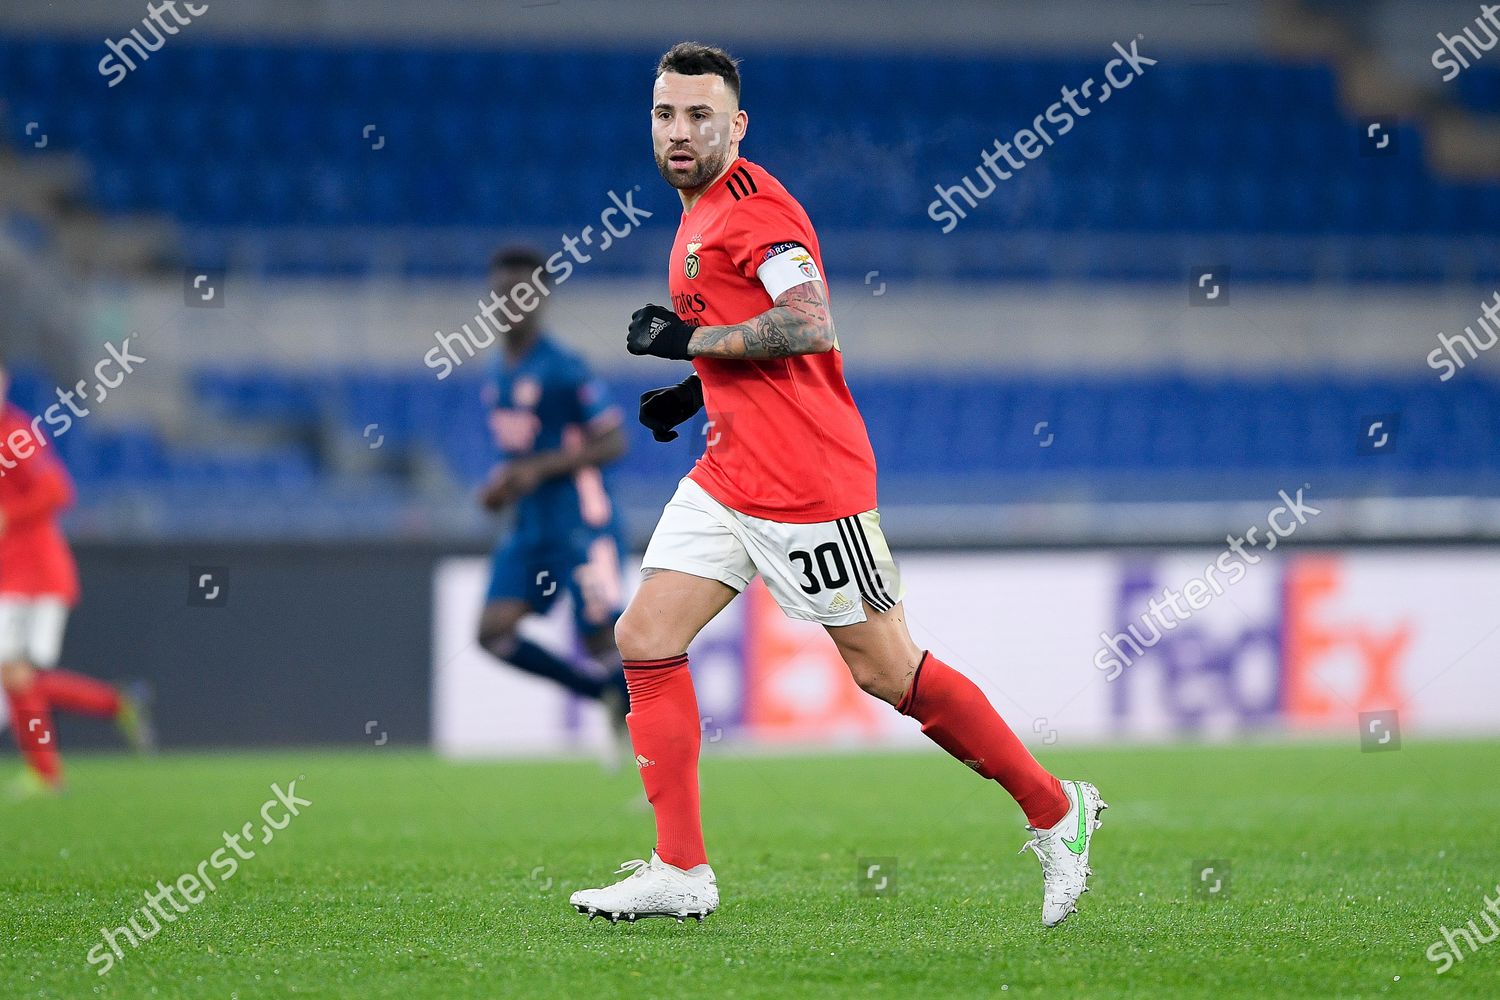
x=630 y=637
x=500 y=642
x=638 y=637
x=498 y=631
x=16 y=675
x=876 y=679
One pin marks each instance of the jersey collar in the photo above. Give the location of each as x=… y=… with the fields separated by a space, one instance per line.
x=543 y=338
x=717 y=187
x=738 y=180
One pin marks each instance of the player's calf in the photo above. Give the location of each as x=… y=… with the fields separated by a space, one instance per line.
x=31 y=726
x=499 y=636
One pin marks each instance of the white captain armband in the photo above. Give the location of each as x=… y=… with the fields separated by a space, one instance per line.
x=786 y=265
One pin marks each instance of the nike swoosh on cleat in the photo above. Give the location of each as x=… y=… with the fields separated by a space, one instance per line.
x=1081 y=841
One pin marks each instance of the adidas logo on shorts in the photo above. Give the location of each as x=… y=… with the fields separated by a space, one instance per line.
x=641 y=760
x=841 y=603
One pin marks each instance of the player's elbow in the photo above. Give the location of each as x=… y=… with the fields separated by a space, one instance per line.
x=821 y=339
x=613 y=445
x=58 y=490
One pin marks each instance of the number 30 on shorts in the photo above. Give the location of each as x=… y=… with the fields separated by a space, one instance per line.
x=828 y=560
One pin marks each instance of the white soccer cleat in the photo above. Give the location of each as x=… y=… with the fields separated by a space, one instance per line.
x=652 y=889
x=1064 y=852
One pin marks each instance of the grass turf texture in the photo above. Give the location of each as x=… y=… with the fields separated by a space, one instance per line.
x=410 y=877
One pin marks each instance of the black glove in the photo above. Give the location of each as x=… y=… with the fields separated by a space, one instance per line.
x=665 y=408
x=658 y=330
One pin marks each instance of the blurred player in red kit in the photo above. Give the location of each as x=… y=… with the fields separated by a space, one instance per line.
x=38 y=588
x=786 y=490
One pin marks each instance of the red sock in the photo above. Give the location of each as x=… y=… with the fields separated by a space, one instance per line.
x=956 y=716
x=77 y=693
x=32 y=721
x=666 y=733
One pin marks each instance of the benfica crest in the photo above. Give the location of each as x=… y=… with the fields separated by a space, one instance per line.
x=690 y=265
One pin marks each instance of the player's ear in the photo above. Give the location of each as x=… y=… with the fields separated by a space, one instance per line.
x=740 y=126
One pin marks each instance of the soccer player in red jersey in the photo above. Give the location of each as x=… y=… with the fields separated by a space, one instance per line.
x=38 y=587
x=787 y=490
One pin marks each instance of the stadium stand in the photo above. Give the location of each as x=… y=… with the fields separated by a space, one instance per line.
x=338 y=160
x=265 y=142
x=1478 y=88
x=1107 y=439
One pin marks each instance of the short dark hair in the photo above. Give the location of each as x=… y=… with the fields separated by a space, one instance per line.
x=697 y=59
x=522 y=258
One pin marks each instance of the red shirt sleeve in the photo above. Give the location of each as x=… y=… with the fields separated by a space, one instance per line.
x=761 y=227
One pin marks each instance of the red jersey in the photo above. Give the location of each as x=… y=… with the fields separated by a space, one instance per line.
x=35 y=560
x=788 y=443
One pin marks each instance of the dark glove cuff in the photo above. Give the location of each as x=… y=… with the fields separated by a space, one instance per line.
x=694 y=385
x=673 y=342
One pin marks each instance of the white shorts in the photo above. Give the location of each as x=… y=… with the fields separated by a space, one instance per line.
x=823 y=572
x=31 y=629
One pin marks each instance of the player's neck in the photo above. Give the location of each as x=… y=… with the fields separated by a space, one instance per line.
x=690 y=198
x=519 y=344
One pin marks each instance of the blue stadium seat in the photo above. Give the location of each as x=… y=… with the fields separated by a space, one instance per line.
x=265 y=135
x=1478 y=88
x=1022 y=435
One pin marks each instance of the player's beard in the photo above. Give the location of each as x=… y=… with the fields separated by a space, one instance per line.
x=706 y=169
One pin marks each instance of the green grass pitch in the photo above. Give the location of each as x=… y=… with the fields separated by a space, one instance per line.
x=410 y=877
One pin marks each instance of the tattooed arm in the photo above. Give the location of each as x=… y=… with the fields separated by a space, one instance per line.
x=799 y=322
